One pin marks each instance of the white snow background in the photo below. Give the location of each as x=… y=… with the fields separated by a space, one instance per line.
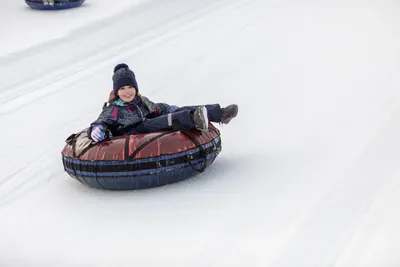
x=309 y=171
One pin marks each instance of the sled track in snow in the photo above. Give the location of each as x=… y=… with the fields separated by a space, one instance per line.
x=316 y=227
x=73 y=68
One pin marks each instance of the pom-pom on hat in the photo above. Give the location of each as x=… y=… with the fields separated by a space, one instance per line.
x=123 y=76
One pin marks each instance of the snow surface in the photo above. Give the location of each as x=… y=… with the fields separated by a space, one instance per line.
x=309 y=172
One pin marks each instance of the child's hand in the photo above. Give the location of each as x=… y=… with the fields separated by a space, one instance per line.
x=98 y=133
x=173 y=108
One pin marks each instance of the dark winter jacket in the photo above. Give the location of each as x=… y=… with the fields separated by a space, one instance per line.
x=120 y=117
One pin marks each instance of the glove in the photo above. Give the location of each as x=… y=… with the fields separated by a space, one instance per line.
x=173 y=108
x=99 y=133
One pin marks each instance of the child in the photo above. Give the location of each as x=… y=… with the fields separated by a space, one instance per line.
x=129 y=112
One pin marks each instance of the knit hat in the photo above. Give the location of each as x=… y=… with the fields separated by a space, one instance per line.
x=123 y=76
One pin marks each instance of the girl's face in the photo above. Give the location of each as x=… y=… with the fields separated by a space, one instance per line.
x=127 y=93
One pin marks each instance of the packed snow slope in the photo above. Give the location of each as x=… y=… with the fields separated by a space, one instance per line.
x=309 y=172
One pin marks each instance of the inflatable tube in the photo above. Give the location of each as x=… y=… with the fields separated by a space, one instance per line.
x=54 y=4
x=143 y=160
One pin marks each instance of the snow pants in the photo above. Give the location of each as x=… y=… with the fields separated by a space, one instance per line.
x=180 y=119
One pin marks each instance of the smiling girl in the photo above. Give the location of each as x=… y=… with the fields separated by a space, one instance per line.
x=128 y=112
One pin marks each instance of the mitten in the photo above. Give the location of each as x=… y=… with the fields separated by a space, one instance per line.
x=98 y=133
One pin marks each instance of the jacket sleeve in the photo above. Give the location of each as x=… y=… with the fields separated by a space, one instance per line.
x=156 y=109
x=108 y=118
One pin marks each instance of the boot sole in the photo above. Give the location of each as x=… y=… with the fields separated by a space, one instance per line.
x=203 y=119
x=205 y=116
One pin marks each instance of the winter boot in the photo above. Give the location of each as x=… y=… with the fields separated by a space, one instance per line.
x=200 y=118
x=228 y=113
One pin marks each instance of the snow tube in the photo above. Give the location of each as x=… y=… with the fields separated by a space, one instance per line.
x=143 y=160
x=54 y=4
